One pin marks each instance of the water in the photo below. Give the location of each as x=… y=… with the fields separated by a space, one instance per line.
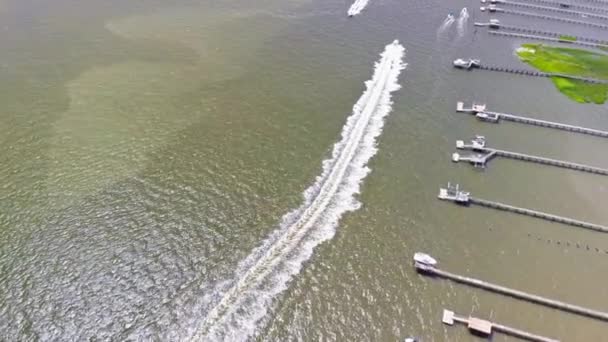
x=449 y=20
x=147 y=149
x=280 y=257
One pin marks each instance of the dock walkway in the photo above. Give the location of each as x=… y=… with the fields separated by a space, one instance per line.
x=487 y=328
x=454 y=194
x=490 y=153
x=481 y=113
x=538 y=73
x=573 y=5
x=432 y=270
x=549 y=39
x=493 y=8
x=533 y=31
x=552 y=9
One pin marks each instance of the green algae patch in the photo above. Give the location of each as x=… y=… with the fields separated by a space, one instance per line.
x=567 y=38
x=569 y=61
x=580 y=91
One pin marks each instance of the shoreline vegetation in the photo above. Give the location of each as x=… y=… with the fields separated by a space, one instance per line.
x=569 y=61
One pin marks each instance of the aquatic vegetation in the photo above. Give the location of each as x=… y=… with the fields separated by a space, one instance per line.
x=582 y=92
x=568 y=38
x=569 y=61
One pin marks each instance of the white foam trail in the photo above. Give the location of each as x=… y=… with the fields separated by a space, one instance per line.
x=357 y=7
x=449 y=20
x=266 y=272
x=462 y=21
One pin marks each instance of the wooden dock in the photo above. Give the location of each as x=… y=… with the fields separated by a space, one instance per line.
x=481 y=113
x=431 y=270
x=489 y=153
x=486 y=328
x=454 y=194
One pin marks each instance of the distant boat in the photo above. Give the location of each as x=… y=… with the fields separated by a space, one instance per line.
x=424 y=259
x=450 y=16
x=411 y=339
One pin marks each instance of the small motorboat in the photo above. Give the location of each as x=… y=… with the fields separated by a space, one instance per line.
x=424 y=259
x=411 y=339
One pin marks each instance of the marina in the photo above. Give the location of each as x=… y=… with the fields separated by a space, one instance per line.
x=480 y=112
x=452 y=193
x=431 y=269
x=486 y=328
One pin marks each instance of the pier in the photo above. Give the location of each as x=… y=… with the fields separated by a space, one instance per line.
x=432 y=270
x=495 y=24
x=454 y=194
x=486 y=328
x=478 y=145
x=560 y=10
x=494 y=9
x=476 y=64
x=479 y=110
x=550 y=39
x=572 y=5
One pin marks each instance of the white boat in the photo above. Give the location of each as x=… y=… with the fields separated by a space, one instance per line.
x=411 y=339
x=424 y=259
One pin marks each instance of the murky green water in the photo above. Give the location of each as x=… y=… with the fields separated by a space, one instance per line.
x=146 y=149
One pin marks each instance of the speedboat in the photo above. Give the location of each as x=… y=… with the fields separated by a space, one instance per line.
x=411 y=339
x=450 y=16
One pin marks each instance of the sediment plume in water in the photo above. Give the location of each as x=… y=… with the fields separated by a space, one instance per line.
x=357 y=7
x=242 y=305
x=462 y=21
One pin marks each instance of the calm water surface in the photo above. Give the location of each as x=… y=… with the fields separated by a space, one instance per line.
x=146 y=149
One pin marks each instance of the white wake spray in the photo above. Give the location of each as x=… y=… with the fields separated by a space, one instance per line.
x=357 y=7
x=449 y=20
x=242 y=305
x=462 y=21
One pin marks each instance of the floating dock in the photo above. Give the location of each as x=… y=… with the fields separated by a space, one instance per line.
x=486 y=328
x=479 y=110
x=432 y=270
x=487 y=154
x=454 y=194
x=494 y=9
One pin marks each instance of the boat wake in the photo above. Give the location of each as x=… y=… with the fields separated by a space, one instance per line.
x=242 y=305
x=357 y=7
x=449 y=20
x=462 y=21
